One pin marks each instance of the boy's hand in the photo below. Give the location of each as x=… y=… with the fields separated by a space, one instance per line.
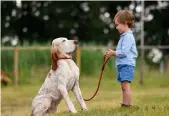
x=110 y=53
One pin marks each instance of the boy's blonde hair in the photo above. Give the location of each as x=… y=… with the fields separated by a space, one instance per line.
x=124 y=16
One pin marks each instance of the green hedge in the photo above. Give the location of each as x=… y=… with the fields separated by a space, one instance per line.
x=35 y=64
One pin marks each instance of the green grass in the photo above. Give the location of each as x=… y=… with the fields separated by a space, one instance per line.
x=31 y=61
x=151 y=99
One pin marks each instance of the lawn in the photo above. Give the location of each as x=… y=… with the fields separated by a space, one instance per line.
x=151 y=99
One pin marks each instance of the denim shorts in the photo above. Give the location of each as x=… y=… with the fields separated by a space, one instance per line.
x=125 y=73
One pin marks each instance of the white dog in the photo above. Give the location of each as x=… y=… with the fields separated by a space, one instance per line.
x=63 y=77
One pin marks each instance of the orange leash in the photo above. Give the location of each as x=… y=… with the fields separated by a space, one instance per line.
x=104 y=63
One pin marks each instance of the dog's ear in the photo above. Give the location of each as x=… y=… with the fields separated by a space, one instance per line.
x=54 y=57
x=54 y=61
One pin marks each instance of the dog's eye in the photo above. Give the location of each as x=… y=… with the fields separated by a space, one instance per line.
x=63 y=41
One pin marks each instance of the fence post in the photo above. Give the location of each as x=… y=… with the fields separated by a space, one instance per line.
x=15 y=66
x=142 y=46
x=78 y=59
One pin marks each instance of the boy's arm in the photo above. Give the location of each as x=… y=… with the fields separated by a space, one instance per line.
x=125 y=47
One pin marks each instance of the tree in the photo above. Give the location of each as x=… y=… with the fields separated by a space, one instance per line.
x=86 y=21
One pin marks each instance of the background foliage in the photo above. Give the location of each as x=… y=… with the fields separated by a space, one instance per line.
x=86 y=21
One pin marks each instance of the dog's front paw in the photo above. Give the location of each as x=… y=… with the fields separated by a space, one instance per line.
x=73 y=111
x=85 y=109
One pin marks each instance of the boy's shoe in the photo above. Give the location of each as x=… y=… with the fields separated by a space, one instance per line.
x=125 y=106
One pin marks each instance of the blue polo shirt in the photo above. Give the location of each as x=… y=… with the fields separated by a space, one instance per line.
x=126 y=52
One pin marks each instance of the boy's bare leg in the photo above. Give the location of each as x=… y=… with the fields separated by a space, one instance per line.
x=126 y=93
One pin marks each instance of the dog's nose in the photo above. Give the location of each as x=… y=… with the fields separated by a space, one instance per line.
x=75 y=42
